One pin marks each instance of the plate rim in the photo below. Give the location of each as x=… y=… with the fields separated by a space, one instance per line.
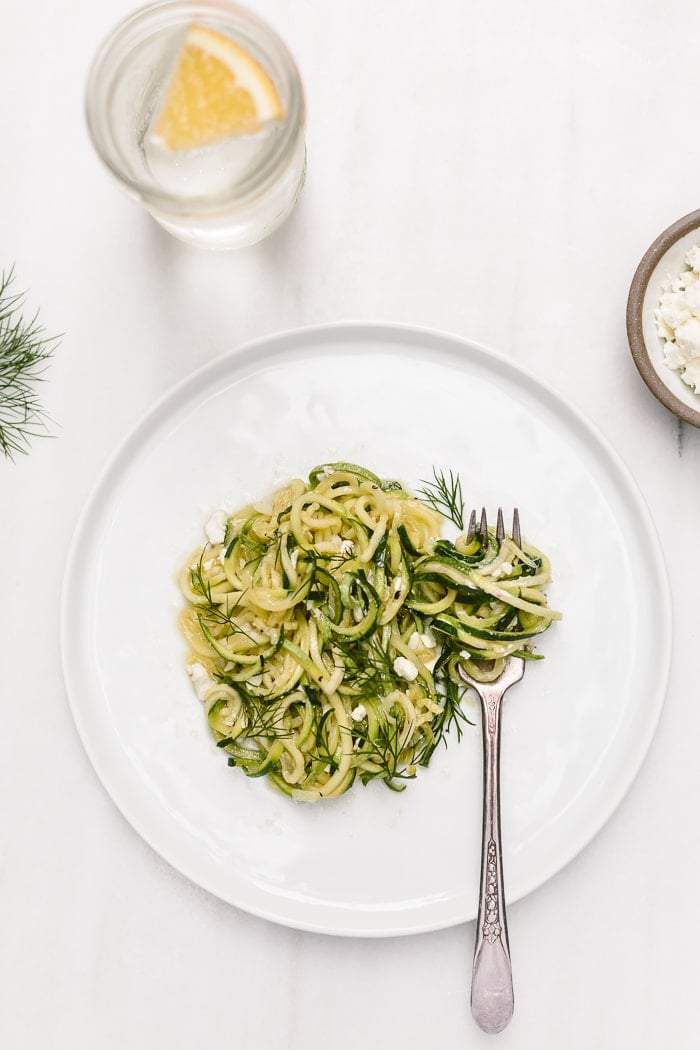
x=385 y=331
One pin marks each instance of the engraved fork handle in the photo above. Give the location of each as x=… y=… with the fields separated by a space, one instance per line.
x=492 y=982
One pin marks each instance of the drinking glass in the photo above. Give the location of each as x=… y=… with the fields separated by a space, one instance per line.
x=225 y=194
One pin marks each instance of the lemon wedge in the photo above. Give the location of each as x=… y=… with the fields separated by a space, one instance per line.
x=217 y=90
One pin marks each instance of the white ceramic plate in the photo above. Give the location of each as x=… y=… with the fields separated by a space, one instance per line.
x=398 y=400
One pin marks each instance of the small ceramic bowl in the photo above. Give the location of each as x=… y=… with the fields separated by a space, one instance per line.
x=664 y=257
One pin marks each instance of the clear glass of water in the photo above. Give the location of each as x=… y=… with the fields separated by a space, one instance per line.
x=224 y=194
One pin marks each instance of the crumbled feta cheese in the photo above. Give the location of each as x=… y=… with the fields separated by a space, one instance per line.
x=359 y=712
x=405 y=668
x=215 y=528
x=208 y=564
x=678 y=320
x=347 y=547
x=692 y=375
x=674 y=357
x=688 y=336
x=692 y=258
x=424 y=641
x=504 y=569
x=397 y=586
x=200 y=679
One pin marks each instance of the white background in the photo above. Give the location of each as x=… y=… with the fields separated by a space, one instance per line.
x=495 y=173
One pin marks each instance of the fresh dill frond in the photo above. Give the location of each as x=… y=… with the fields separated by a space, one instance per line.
x=370 y=668
x=24 y=351
x=444 y=494
x=201 y=585
x=385 y=756
x=453 y=713
x=263 y=720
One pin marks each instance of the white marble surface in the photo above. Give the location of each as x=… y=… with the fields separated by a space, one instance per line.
x=495 y=173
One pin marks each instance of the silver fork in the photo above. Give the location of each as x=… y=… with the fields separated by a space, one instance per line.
x=492 y=979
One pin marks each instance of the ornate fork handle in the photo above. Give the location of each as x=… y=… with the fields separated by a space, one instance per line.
x=492 y=982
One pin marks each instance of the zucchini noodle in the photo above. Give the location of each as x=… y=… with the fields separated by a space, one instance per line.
x=326 y=629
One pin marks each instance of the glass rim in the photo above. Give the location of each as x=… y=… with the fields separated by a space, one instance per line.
x=170 y=14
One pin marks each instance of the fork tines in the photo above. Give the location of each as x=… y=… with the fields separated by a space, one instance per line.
x=482 y=529
x=515 y=532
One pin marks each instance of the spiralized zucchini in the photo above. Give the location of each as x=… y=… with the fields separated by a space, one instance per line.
x=326 y=628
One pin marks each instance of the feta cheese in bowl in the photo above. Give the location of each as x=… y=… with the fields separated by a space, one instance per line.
x=663 y=318
x=678 y=320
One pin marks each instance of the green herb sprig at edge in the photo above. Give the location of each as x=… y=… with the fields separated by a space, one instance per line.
x=326 y=631
x=444 y=494
x=24 y=352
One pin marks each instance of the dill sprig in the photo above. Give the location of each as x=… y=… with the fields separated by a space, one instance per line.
x=24 y=352
x=386 y=755
x=370 y=668
x=444 y=495
x=261 y=720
